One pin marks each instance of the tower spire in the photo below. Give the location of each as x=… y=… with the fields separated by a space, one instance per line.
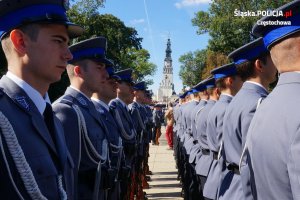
x=168 y=50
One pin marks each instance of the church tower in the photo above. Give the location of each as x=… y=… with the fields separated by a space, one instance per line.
x=166 y=88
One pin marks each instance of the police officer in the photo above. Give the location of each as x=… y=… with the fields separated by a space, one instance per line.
x=157 y=118
x=228 y=82
x=34 y=160
x=149 y=128
x=101 y=99
x=138 y=115
x=203 y=164
x=128 y=133
x=85 y=132
x=273 y=136
x=256 y=67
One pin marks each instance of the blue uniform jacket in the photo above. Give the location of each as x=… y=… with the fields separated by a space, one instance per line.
x=274 y=142
x=235 y=126
x=45 y=159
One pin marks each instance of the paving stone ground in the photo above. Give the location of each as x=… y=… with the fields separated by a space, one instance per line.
x=164 y=184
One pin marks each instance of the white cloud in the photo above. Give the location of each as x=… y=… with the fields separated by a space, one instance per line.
x=188 y=3
x=137 y=21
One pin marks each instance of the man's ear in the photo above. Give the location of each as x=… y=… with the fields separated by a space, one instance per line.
x=258 y=65
x=18 y=39
x=229 y=81
x=77 y=71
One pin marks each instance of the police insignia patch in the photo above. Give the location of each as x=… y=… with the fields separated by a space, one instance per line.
x=100 y=111
x=22 y=101
x=82 y=101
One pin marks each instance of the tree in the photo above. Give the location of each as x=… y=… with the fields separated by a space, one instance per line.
x=227 y=31
x=192 y=65
x=124 y=45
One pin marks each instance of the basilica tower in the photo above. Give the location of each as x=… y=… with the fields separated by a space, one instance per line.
x=166 y=88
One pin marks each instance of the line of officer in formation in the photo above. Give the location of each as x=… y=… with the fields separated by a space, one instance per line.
x=91 y=143
x=233 y=139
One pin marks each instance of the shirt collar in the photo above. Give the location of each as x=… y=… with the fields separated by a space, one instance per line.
x=88 y=98
x=34 y=95
x=226 y=94
x=258 y=84
x=122 y=102
x=101 y=103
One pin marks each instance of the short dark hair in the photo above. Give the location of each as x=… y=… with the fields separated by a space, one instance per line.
x=210 y=91
x=220 y=83
x=246 y=69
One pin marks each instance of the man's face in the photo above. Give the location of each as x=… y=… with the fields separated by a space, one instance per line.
x=47 y=57
x=109 y=90
x=125 y=91
x=95 y=75
x=139 y=94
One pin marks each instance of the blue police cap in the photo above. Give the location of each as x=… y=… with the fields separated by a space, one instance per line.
x=140 y=86
x=125 y=75
x=111 y=72
x=279 y=29
x=14 y=14
x=224 y=71
x=182 y=96
x=192 y=91
x=200 y=86
x=248 y=52
x=94 y=49
x=209 y=82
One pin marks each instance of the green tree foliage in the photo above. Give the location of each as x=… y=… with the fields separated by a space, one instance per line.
x=192 y=65
x=213 y=60
x=228 y=31
x=124 y=45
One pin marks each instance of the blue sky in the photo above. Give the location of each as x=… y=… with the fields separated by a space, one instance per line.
x=154 y=21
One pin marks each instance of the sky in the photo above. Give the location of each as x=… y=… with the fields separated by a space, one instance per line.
x=156 y=21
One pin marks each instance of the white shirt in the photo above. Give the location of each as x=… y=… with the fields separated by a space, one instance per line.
x=34 y=95
x=101 y=103
x=88 y=98
x=226 y=94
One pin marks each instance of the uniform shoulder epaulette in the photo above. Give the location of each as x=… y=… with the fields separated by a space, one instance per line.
x=112 y=105
x=67 y=99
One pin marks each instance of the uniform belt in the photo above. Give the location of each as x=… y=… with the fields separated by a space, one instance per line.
x=215 y=155
x=234 y=168
x=205 y=152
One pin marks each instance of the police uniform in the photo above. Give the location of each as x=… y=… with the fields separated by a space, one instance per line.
x=214 y=131
x=115 y=146
x=139 y=117
x=90 y=148
x=236 y=123
x=30 y=152
x=195 y=146
x=273 y=136
x=124 y=121
x=203 y=162
x=188 y=141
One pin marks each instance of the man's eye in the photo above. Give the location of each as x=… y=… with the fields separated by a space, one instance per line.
x=58 y=41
